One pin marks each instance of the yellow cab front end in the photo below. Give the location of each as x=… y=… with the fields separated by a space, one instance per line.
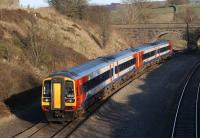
x=58 y=98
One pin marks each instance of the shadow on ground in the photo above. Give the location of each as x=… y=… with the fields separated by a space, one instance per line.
x=146 y=112
x=26 y=105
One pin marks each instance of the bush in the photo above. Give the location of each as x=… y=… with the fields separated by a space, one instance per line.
x=70 y=8
x=100 y=16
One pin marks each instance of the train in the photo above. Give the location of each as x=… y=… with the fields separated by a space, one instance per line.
x=67 y=94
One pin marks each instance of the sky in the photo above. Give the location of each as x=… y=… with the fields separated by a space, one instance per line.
x=43 y=3
x=34 y=3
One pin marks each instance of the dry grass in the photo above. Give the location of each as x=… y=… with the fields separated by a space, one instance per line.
x=16 y=79
x=78 y=35
x=67 y=43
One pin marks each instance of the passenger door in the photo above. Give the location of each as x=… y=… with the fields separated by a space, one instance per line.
x=138 y=60
x=57 y=96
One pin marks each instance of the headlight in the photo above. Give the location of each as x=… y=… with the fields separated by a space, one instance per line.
x=46 y=99
x=70 y=100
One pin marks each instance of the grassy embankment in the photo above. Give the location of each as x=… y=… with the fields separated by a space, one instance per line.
x=34 y=43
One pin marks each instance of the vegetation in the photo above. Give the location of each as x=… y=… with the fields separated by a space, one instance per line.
x=35 y=43
x=177 y=2
x=163 y=14
x=70 y=8
x=8 y=3
x=79 y=9
x=134 y=11
x=100 y=16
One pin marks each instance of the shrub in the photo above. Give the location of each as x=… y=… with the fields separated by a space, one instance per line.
x=70 y=8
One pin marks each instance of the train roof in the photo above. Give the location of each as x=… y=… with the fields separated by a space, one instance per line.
x=80 y=70
x=93 y=65
x=96 y=64
x=152 y=45
x=123 y=54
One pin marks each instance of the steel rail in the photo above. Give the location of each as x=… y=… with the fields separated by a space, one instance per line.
x=31 y=131
x=197 y=100
x=182 y=94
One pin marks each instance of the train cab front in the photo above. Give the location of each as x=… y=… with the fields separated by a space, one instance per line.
x=58 y=99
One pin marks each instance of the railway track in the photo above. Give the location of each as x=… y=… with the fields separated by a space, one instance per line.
x=42 y=130
x=187 y=116
x=30 y=131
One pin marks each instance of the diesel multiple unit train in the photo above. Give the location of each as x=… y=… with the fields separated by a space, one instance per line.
x=68 y=93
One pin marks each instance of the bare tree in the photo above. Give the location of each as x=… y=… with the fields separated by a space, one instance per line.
x=188 y=16
x=105 y=27
x=100 y=16
x=135 y=11
x=177 y=2
x=35 y=43
x=70 y=8
x=127 y=12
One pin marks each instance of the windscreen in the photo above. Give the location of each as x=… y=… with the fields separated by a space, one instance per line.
x=69 y=89
x=47 y=88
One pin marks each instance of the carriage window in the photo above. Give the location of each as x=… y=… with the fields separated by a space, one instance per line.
x=148 y=55
x=47 y=88
x=69 y=89
x=97 y=80
x=124 y=66
x=164 y=49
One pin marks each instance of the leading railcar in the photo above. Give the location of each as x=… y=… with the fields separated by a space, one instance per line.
x=67 y=94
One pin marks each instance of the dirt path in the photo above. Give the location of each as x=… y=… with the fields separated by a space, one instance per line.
x=141 y=109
